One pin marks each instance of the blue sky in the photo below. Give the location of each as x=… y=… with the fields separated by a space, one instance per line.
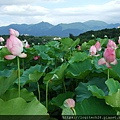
x=58 y=11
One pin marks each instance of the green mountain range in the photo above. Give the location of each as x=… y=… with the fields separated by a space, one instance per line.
x=61 y=30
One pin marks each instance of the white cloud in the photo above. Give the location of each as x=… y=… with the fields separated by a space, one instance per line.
x=108 y=12
x=15 y=2
x=22 y=11
x=25 y=2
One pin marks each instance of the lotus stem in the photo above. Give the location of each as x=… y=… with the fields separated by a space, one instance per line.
x=64 y=85
x=23 y=63
x=18 y=64
x=74 y=112
x=47 y=94
x=108 y=73
x=38 y=91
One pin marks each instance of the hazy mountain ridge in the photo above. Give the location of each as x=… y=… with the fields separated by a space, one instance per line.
x=62 y=30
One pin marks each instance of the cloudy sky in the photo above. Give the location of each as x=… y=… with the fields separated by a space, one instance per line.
x=58 y=11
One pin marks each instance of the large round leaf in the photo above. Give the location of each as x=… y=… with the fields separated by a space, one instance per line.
x=94 y=106
x=32 y=74
x=56 y=76
x=79 y=56
x=83 y=92
x=116 y=68
x=13 y=93
x=7 y=78
x=96 y=91
x=53 y=44
x=114 y=100
x=112 y=85
x=18 y=106
x=41 y=48
x=79 y=69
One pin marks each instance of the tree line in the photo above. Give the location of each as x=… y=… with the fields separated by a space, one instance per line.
x=109 y=33
x=84 y=37
x=32 y=39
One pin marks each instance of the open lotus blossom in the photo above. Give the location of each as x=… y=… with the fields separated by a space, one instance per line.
x=98 y=46
x=109 y=57
x=15 y=46
x=112 y=44
x=92 y=35
x=93 y=50
x=69 y=103
x=26 y=44
x=1 y=39
x=105 y=36
x=14 y=32
x=119 y=40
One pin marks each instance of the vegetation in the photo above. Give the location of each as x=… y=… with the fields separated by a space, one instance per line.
x=57 y=79
x=33 y=39
x=109 y=33
x=84 y=37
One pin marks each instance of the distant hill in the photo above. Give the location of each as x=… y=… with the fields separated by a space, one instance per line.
x=61 y=30
x=95 y=25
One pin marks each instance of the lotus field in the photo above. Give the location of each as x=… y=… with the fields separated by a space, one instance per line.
x=59 y=78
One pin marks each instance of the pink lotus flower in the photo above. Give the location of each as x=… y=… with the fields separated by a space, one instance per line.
x=69 y=103
x=14 y=32
x=112 y=44
x=109 y=57
x=15 y=46
x=98 y=46
x=27 y=45
x=36 y=57
x=92 y=50
x=1 y=39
